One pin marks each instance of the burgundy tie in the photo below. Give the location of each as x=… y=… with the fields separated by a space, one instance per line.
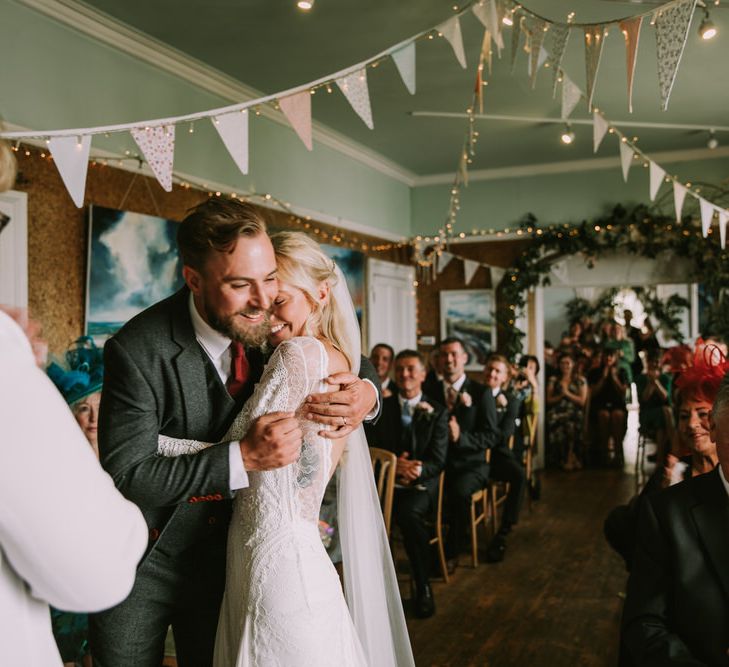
x=238 y=369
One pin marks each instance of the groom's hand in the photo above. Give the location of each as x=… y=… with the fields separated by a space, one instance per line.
x=346 y=408
x=272 y=441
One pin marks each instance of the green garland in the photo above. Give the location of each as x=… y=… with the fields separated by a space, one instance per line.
x=639 y=231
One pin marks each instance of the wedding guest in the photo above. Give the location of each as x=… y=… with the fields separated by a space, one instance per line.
x=526 y=388
x=625 y=348
x=415 y=427
x=677 y=610
x=550 y=360
x=472 y=429
x=435 y=370
x=566 y=398
x=654 y=415
x=74 y=541
x=382 y=356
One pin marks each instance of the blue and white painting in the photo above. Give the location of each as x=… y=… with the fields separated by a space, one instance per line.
x=469 y=315
x=133 y=263
x=352 y=264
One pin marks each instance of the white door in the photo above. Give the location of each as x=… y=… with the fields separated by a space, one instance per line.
x=391 y=305
x=14 y=250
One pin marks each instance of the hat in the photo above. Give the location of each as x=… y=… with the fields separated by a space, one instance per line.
x=83 y=372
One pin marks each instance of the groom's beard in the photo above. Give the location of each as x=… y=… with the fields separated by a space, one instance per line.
x=251 y=335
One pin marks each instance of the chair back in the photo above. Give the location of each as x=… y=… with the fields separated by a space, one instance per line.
x=384 y=465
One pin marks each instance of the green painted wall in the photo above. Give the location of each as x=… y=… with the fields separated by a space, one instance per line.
x=499 y=204
x=54 y=77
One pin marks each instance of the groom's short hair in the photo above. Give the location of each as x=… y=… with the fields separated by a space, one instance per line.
x=216 y=224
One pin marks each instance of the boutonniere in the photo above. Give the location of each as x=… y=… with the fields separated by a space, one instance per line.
x=424 y=410
x=466 y=399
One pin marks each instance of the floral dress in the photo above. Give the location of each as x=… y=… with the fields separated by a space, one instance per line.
x=565 y=420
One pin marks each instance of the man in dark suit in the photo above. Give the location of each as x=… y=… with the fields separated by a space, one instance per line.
x=180 y=369
x=472 y=429
x=414 y=427
x=677 y=608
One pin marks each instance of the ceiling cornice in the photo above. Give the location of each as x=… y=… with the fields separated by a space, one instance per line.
x=571 y=166
x=122 y=37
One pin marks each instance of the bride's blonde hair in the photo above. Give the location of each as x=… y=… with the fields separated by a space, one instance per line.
x=303 y=265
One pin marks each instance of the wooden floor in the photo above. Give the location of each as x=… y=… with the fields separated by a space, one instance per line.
x=554 y=601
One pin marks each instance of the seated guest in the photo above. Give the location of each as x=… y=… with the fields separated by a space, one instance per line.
x=608 y=414
x=415 y=427
x=504 y=466
x=527 y=390
x=472 y=429
x=677 y=606
x=566 y=398
x=381 y=357
x=655 y=412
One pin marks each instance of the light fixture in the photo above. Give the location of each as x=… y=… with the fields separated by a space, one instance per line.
x=305 y=5
x=707 y=29
x=568 y=136
x=713 y=142
x=507 y=20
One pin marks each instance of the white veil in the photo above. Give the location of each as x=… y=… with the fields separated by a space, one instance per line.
x=370 y=583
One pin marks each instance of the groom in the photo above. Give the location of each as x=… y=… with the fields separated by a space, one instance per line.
x=173 y=370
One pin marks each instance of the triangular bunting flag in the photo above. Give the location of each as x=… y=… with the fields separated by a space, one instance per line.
x=497 y=275
x=599 y=128
x=233 y=130
x=297 y=109
x=656 y=176
x=570 y=96
x=442 y=260
x=405 y=60
x=672 y=26
x=71 y=155
x=354 y=87
x=486 y=51
x=158 y=147
x=707 y=213
x=626 y=158
x=559 y=271
x=594 y=41
x=536 y=38
x=516 y=17
x=631 y=32
x=723 y=217
x=487 y=13
x=451 y=30
x=679 y=194
x=560 y=34
x=469 y=269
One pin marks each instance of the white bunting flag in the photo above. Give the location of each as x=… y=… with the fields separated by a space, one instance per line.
x=71 y=155
x=599 y=128
x=626 y=158
x=656 y=175
x=535 y=38
x=560 y=34
x=672 y=26
x=497 y=275
x=451 y=30
x=442 y=260
x=405 y=60
x=559 y=271
x=723 y=217
x=570 y=96
x=517 y=19
x=486 y=12
x=233 y=130
x=469 y=270
x=594 y=40
x=158 y=147
x=354 y=87
x=679 y=194
x=707 y=213
x=297 y=109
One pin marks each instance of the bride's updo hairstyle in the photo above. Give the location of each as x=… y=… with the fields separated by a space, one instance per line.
x=302 y=264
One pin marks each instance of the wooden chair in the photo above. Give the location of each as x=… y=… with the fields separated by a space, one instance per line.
x=437 y=539
x=384 y=464
x=497 y=492
x=479 y=514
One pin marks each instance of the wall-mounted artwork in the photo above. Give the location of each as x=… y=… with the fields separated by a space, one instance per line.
x=352 y=264
x=469 y=315
x=133 y=262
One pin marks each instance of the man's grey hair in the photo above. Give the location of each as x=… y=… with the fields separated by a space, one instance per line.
x=722 y=397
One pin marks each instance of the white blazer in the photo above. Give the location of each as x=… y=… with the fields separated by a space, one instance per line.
x=67 y=536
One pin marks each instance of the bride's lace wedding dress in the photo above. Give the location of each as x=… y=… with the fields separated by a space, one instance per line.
x=283 y=602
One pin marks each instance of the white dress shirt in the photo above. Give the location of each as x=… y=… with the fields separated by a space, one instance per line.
x=412 y=402
x=67 y=536
x=457 y=385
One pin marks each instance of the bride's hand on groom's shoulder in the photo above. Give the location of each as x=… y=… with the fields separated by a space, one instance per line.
x=273 y=441
x=346 y=408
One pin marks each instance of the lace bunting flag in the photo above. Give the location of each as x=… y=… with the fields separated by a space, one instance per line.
x=672 y=26
x=158 y=147
x=594 y=41
x=354 y=88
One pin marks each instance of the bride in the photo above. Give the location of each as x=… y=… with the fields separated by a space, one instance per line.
x=283 y=602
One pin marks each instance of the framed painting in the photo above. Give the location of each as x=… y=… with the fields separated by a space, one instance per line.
x=469 y=315
x=133 y=263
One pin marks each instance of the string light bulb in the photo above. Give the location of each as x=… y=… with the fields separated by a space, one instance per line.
x=305 y=5
x=707 y=29
x=713 y=142
x=568 y=136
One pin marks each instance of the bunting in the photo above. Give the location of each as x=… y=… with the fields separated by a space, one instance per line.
x=560 y=34
x=631 y=32
x=297 y=109
x=354 y=88
x=571 y=95
x=679 y=194
x=469 y=270
x=626 y=158
x=594 y=41
x=451 y=30
x=497 y=275
x=71 y=155
x=233 y=130
x=707 y=213
x=656 y=177
x=515 y=36
x=486 y=12
x=158 y=147
x=723 y=217
x=535 y=30
x=443 y=258
x=405 y=61
x=599 y=128
x=672 y=26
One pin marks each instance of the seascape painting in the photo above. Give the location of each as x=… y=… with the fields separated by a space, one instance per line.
x=352 y=264
x=469 y=315
x=133 y=263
